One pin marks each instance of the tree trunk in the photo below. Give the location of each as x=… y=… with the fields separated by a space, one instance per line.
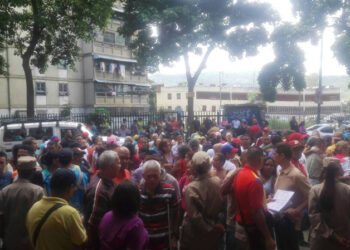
x=30 y=87
x=190 y=110
x=191 y=82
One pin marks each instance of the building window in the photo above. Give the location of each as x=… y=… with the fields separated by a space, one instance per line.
x=109 y=37
x=169 y=96
x=213 y=109
x=204 y=108
x=119 y=40
x=169 y=107
x=40 y=88
x=62 y=64
x=178 y=96
x=63 y=89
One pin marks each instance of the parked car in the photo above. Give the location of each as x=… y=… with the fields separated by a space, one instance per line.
x=14 y=133
x=323 y=129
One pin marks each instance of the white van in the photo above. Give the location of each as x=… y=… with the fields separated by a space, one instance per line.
x=14 y=133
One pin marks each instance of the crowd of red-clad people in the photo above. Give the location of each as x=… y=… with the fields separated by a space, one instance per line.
x=160 y=190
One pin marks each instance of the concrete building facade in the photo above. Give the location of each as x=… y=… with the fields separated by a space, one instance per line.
x=212 y=98
x=106 y=76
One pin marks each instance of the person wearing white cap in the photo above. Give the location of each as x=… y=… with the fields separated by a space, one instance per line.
x=203 y=200
x=15 y=201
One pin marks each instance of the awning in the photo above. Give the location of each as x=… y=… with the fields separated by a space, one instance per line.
x=118 y=9
x=113 y=58
x=124 y=83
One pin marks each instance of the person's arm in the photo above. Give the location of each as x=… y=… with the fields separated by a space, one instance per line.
x=76 y=231
x=260 y=222
x=304 y=189
x=255 y=199
x=226 y=187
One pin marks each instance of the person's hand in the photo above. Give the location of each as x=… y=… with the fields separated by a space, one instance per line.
x=269 y=199
x=219 y=229
x=270 y=243
x=174 y=243
x=292 y=213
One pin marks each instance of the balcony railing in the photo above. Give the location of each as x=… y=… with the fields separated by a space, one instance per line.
x=120 y=99
x=114 y=77
x=112 y=50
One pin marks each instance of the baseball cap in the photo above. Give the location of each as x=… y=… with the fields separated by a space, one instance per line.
x=200 y=158
x=227 y=148
x=54 y=138
x=26 y=162
x=295 y=144
x=85 y=135
x=297 y=136
x=112 y=140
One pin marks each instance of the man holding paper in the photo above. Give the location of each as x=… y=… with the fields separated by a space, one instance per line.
x=250 y=201
x=290 y=179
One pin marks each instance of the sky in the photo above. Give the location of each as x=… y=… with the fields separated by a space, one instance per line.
x=219 y=60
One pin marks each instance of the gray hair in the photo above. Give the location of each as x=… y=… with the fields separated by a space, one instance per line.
x=107 y=158
x=152 y=164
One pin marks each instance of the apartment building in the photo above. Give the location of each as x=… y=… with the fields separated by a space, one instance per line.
x=212 y=98
x=107 y=76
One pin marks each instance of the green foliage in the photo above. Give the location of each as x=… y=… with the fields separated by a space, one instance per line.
x=166 y=30
x=153 y=99
x=54 y=28
x=287 y=69
x=101 y=118
x=278 y=124
x=66 y=111
x=47 y=32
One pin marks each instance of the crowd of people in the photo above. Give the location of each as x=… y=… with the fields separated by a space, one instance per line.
x=163 y=191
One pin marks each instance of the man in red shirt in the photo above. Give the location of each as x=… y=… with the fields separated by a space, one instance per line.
x=250 y=200
x=297 y=150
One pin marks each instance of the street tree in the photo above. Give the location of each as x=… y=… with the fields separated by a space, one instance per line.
x=47 y=32
x=313 y=17
x=164 y=31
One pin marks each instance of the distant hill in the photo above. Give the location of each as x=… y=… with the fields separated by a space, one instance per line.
x=246 y=79
x=249 y=79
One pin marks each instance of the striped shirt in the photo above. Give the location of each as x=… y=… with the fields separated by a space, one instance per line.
x=154 y=213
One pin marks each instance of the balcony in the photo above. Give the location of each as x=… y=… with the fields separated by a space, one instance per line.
x=104 y=100
x=129 y=78
x=112 y=50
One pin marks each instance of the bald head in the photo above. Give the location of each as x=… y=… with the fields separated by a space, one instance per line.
x=124 y=156
x=217 y=148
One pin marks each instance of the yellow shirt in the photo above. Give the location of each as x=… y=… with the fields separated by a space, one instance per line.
x=330 y=150
x=62 y=230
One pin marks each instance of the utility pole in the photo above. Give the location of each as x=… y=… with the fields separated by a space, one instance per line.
x=220 y=85
x=319 y=91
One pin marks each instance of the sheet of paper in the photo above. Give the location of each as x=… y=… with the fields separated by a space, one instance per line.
x=281 y=199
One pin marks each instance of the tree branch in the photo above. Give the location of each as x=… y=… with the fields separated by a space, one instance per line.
x=36 y=31
x=202 y=65
x=188 y=68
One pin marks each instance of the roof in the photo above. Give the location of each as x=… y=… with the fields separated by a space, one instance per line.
x=126 y=83
x=114 y=58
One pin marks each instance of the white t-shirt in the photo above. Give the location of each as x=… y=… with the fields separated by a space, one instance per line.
x=229 y=165
x=236 y=124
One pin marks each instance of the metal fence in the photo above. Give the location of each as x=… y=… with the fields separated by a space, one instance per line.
x=104 y=120
x=113 y=120
x=277 y=121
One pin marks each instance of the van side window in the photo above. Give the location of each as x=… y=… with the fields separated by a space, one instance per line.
x=15 y=134
x=41 y=133
x=75 y=132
